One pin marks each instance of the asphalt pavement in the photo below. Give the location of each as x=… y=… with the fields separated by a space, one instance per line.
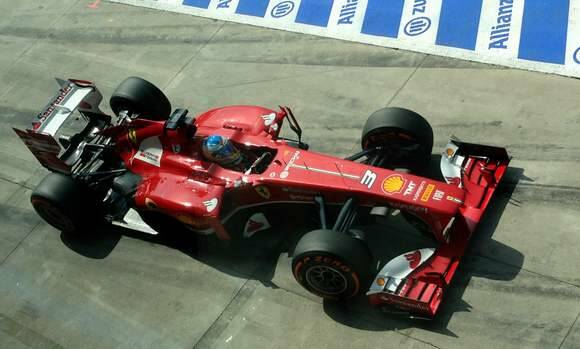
x=518 y=286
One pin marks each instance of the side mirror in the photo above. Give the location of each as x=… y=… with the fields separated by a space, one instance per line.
x=293 y=123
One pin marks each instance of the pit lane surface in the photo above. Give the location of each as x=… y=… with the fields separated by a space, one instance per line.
x=532 y=34
x=517 y=287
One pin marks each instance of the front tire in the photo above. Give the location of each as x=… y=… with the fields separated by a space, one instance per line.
x=65 y=204
x=331 y=264
x=405 y=136
x=142 y=97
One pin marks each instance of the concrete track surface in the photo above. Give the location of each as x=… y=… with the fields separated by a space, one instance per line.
x=518 y=286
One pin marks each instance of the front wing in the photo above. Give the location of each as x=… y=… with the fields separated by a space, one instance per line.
x=415 y=282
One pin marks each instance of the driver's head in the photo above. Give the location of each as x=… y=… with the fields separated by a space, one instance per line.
x=219 y=149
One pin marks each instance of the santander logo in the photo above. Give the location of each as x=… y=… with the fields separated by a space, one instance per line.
x=414 y=259
x=253 y=225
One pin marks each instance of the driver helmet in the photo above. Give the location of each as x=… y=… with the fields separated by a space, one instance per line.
x=219 y=149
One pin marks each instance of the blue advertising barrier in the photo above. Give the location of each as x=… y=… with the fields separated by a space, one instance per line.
x=541 y=35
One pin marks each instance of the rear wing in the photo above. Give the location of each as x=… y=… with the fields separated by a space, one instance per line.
x=40 y=136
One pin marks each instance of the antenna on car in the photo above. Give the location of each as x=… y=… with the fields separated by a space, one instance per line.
x=293 y=123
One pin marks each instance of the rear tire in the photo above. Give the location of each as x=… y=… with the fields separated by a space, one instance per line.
x=142 y=97
x=65 y=204
x=407 y=138
x=331 y=264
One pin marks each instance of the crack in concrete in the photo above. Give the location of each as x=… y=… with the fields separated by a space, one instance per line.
x=194 y=55
x=21 y=185
x=221 y=323
x=25 y=335
x=407 y=81
x=569 y=331
x=19 y=243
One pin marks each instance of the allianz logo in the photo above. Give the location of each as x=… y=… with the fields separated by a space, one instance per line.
x=418 y=24
x=500 y=33
x=347 y=12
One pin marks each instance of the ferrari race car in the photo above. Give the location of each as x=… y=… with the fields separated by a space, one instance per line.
x=144 y=168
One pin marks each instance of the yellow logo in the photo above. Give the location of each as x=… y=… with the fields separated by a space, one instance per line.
x=132 y=136
x=427 y=193
x=263 y=191
x=187 y=219
x=393 y=184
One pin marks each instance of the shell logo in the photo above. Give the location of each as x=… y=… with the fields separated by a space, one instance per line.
x=393 y=184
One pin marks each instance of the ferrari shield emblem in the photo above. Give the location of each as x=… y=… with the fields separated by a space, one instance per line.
x=263 y=191
x=132 y=136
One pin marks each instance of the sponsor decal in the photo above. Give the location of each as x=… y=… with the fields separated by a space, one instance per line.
x=150 y=151
x=347 y=12
x=410 y=188
x=132 y=136
x=269 y=119
x=427 y=193
x=301 y=197
x=404 y=303
x=300 y=191
x=327 y=260
x=44 y=148
x=408 y=207
x=450 y=152
x=414 y=258
x=256 y=223
x=454 y=199
x=54 y=104
x=224 y=3
x=211 y=205
x=393 y=184
x=187 y=219
x=290 y=163
x=282 y=9
x=500 y=33
x=252 y=227
x=419 y=24
x=419 y=191
x=272 y=174
x=467 y=163
x=263 y=191
x=438 y=195
x=576 y=56
x=368 y=178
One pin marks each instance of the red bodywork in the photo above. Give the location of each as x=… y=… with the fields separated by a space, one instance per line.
x=203 y=194
x=179 y=182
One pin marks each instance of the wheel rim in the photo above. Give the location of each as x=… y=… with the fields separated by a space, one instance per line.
x=53 y=215
x=388 y=138
x=325 y=279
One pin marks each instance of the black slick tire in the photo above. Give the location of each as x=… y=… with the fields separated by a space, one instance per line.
x=331 y=264
x=65 y=204
x=138 y=95
x=399 y=128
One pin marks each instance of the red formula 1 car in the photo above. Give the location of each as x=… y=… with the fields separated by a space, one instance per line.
x=144 y=166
